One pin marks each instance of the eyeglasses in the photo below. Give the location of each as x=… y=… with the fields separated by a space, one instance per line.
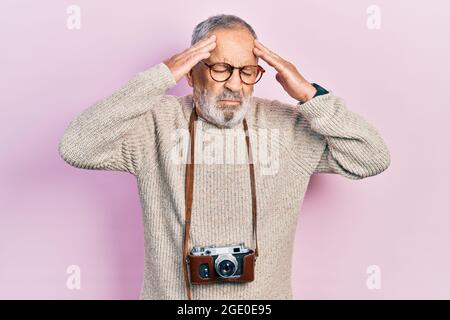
x=222 y=71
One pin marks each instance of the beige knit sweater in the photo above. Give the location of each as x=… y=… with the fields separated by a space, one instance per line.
x=141 y=130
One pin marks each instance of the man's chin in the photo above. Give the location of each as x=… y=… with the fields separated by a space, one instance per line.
x=228 y=116
x=227 y=120
x=224 y=115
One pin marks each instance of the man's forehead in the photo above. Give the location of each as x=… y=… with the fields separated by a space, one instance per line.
x=235 y=57
x=234 y=46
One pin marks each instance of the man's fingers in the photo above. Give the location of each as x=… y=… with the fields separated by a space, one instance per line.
x=269 y=56
x=202 y=43
x=259 y=45
x=192 y=58
x=187 y=55
x=196 y=58
x=181 y=63
x=208 y=47
x=272 y=61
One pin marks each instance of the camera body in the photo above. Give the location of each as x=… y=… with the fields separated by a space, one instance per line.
x=235 y=263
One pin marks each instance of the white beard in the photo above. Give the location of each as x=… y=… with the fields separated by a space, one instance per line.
x=222 y=116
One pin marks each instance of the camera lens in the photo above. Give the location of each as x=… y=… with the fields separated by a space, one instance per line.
x=226 y=265
x=226 y=268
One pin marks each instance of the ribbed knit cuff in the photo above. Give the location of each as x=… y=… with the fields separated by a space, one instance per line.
x=318 y=107
x=157 y=79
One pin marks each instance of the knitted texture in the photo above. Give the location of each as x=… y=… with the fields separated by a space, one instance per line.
x=143 y=131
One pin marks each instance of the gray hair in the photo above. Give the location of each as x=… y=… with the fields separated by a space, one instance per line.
x=220 y=21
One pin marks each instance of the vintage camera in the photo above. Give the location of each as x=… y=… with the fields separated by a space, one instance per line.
x=209 y=264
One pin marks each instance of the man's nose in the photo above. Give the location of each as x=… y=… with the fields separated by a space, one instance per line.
x=235 y=82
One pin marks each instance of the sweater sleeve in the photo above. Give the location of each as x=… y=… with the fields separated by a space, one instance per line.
x=353 y=147
x=113 y=134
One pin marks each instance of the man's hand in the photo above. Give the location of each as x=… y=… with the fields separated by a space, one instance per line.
x=288 y=76
x=181 y=63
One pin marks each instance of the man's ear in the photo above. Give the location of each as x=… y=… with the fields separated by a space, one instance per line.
x=189 y=78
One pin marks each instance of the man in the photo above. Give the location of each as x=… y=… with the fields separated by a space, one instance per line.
x=139 y=130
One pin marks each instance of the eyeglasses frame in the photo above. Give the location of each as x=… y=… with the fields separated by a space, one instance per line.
x=230 y=67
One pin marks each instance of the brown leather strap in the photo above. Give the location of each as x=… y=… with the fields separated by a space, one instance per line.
x=189 y=190
x=252 y=184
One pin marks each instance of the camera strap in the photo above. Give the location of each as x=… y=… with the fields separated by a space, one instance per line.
x=189 y=188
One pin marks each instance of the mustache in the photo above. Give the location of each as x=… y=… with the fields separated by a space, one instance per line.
x=228 y=95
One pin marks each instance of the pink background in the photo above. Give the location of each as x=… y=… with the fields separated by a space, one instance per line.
x=53 y=215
